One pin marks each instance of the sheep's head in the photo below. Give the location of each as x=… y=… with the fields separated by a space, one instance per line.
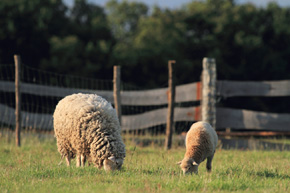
x=112 y=163
x=188 y=165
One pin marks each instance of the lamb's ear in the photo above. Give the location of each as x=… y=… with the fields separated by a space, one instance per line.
x=112 y=158
x=194 y=163
x=178 y=163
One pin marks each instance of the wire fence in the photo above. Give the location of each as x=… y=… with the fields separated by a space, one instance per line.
x=38 y=99
x=144 y=111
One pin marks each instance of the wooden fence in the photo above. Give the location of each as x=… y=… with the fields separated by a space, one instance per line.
x=220 y=117
x=129 y=122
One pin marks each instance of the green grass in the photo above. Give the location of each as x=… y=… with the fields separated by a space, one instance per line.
x=34 y=167
x=282 y=141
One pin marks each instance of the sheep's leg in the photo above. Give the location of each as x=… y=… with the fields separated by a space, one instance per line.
x=78 y=160
x=208 y=163
x=83 y=160
x=67 y=159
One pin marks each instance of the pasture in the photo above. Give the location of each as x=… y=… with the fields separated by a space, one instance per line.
x=36 y=167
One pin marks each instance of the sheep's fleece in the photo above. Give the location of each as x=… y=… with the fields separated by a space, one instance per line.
x=201 y=142
x=86 y=126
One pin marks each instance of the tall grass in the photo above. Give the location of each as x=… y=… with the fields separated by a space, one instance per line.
x=34 y=167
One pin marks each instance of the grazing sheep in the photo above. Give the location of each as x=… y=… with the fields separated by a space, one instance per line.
x=86 y=126
x=201 y=141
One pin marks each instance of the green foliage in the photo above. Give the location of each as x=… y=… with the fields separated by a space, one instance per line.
x=35 y=167
x=248 y=42
x=124 y=17
x=26 y=26
x=85 y=47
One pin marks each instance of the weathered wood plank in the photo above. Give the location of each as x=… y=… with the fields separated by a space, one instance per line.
x=42 y=90
x=156 y=117
x=129 y=122
x=187 y=92
x=226 y=117
x=246 y=119
x=208 y=103
x=184 y=93
x=28 y=120
x=7 y=86
x=145 y=97
x=250 y=88
x=254 y=133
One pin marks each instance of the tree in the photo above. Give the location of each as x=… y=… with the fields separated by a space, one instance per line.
x=159 y=38
x=86 y=48
x=25 y=28
x=124 y=17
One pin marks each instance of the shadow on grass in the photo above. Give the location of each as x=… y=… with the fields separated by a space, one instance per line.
x=270 y=174
x=160 y=172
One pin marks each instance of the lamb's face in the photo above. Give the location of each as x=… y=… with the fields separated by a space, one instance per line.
x=188 y=166
x=112 y=164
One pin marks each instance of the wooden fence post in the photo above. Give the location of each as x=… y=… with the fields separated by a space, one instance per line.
x=117 y=91
x=171 y=99
x=17 y=62
x=208 y=109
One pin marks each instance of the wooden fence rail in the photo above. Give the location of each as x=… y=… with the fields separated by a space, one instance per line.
x=28 y=120
x=226 y=117
x=129 y=122
x=250 y=88
x=246 y=119
x=184 y=93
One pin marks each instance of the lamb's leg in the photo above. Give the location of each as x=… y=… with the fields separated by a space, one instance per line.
x=208 y=163
x=67 y=159
x=78 y=160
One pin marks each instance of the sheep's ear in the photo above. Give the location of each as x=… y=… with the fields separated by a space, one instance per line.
x=194 y=163
x=112 y=158
x=178 y=163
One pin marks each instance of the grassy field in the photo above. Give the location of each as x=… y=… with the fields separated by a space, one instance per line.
x=34 y=167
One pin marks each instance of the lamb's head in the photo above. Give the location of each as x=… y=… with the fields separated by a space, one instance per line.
x=188 y=165
x=112 y=163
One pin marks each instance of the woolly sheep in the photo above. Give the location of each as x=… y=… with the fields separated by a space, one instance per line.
x=201 y=141
x=86 y=126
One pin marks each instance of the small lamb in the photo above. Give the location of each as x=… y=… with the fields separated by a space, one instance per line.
x=201 y=142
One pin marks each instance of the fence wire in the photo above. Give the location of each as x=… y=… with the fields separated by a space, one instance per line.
x=37 y=109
